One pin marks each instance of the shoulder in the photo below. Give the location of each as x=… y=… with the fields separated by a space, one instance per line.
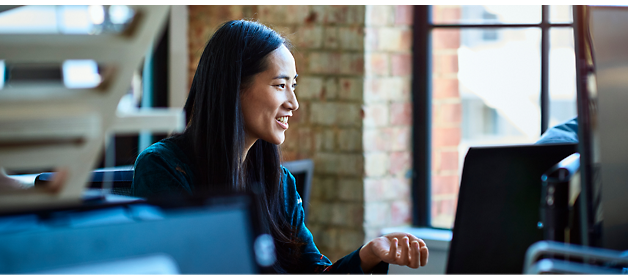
x=566 y=132
x=161 y=167
x=292 y=198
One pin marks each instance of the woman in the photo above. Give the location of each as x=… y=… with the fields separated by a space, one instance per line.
x=241 y=98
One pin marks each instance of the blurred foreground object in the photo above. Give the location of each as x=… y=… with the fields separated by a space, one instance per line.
x=45 y=124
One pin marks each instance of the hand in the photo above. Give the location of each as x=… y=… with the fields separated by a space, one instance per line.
x=396 y=248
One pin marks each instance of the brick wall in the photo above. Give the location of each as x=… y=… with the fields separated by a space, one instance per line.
x=446 y=118
x=354 y=119
x=387 y=117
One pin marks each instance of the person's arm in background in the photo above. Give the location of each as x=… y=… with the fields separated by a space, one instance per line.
x=566 y=132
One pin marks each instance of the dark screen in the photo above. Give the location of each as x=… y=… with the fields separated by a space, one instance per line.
x=498 y=207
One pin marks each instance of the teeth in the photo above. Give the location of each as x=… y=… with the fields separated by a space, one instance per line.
x=283 y=119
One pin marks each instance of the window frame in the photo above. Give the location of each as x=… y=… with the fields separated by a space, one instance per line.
x=422 y=98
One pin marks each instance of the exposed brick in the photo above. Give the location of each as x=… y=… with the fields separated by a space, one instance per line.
x=450 y=113
x=350 y=239
x=400 y=138
x=351 y=38
x=330 y=38
x=445 y=63
x=374 y=189
x=379 y=15
x=309 y=36
x=324 y=140
x=376 y=214
x=300 y=116
x=325 y=62
x=355 y=15
x=375 y=164
x=375 y=115
x=377 y=64
x=348 y=114
x=309 y=88
x=330 y=90
x=376 y=140
x=448 y=160
x=306 y=141
x=400 y=163
x=272 y=14
x=400 y=212
x=351 y=89
x=326 y=163
x=445 y=136
x=350 y=140
x=398 y=188
x=444 y=184
x=330 y=237
x=297 y=13
x=317 y=14
x=446 y=39
x=381 y=89
x=323 y=113
x=352 y=63
x=288 y=155
x=445 y=88
x=328 y=185
x=401 y=64
x=402 y=94
x=351 y=164
x=350 y=189
x=404 y=14
x=401 y=113
x=446 y=14
x=371 y=38
x=389 y=39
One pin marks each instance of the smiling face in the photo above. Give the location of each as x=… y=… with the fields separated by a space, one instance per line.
x=268 y=101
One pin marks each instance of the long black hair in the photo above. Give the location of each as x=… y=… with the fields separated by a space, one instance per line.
x=215 y=128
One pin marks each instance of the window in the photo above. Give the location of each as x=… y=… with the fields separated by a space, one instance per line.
x=484 y=75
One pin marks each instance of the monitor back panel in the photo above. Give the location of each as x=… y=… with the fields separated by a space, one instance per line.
x=498 y=207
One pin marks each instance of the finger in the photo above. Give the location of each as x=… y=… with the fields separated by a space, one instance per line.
x=57 y=181
x=393 y=250
x=405 y=251
x=424 y=255
x=415 y=257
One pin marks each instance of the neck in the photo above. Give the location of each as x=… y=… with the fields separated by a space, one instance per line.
x=248 y=143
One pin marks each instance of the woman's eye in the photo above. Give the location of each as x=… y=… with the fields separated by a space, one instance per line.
x=294 y=86
x=281 y=85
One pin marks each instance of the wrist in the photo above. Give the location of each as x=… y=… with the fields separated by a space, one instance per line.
x=368 y=258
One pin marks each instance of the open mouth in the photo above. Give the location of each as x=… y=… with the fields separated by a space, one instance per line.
x=283 y=122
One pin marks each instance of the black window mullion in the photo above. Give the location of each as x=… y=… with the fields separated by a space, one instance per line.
x=545 y=110
x=421 y=116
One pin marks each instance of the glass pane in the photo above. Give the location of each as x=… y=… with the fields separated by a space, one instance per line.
x=485 y=14
x=68 y=19
x=561 y=14
x=562 y=76
x=485 y=91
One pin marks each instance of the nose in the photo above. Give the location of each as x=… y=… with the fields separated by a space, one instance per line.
x=292 y=102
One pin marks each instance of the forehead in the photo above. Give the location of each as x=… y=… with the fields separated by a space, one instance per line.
x=281 y=61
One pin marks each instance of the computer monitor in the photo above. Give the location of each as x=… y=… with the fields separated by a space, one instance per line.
x=218 y=237
x=498 y=207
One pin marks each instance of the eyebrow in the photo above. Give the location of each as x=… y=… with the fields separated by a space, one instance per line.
x=285 y=77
